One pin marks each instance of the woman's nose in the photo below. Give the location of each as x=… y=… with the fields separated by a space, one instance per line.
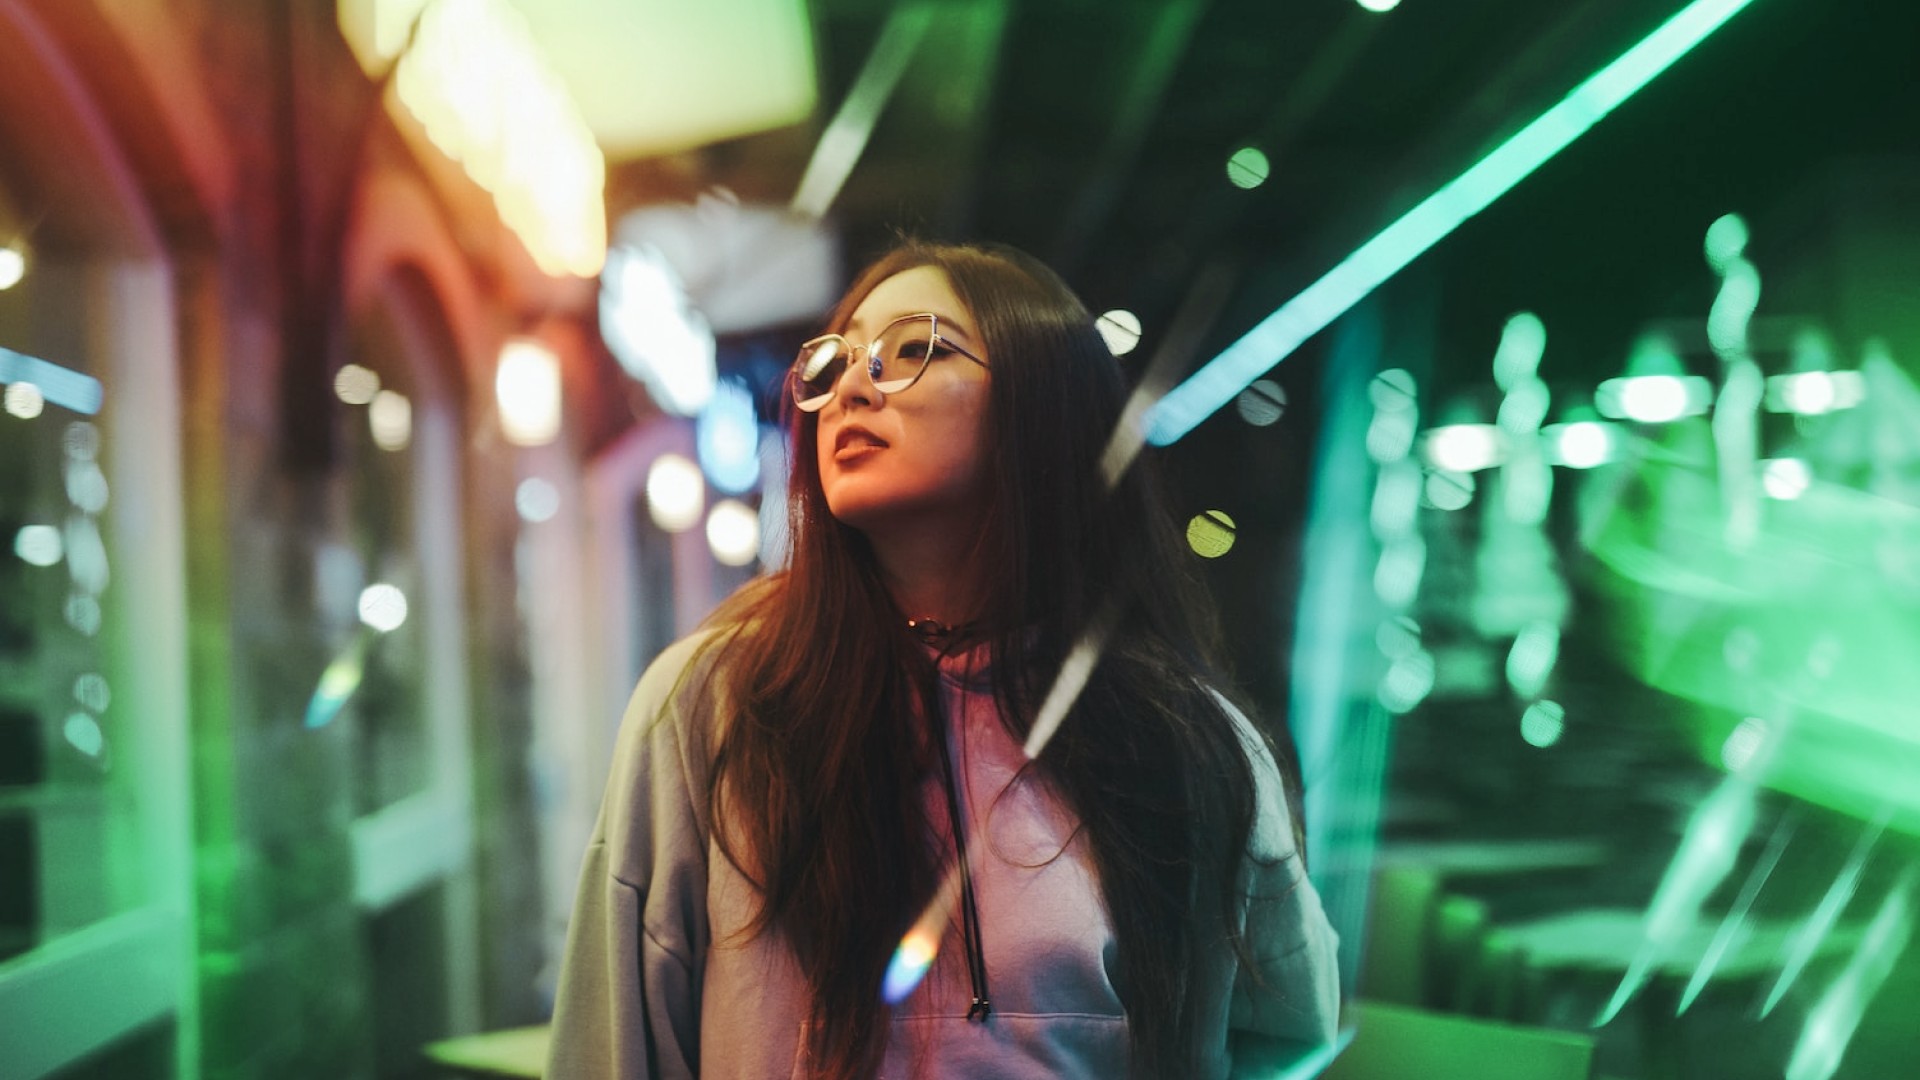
x=855 y=384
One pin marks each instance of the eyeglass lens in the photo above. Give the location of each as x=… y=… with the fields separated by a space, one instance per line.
x=894 y=361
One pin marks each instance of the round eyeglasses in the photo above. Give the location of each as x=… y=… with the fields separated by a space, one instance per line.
x=896 y=358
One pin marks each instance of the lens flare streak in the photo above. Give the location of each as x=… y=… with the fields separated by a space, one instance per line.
x=1807 y=940
x=915 y=954
x=339 y=681
x=914 y=958
x=1735 y=923
x=1704 y=859
x=1834 y=1018
x=1067 y=686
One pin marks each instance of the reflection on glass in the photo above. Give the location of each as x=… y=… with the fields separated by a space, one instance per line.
x=374 y=684
x=66 y=823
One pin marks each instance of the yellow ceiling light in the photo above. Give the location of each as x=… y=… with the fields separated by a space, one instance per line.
x=478 y=83
x=648 y=77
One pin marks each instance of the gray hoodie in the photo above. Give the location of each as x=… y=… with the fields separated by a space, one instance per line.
x=660 y=981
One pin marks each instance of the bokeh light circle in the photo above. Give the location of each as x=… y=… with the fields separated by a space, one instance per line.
x=39 y=545
x=24 y=400
x=1262 y=403
x=1786 y=478
x=1248 y=167
x=536 y=500
x=1211 y=534
x=1120 y=329
x=1543 y=723
x=383 y=607
x=676 y=493
x=733 y=532
x=1446 y=489
x=355 y=385
x=13 y=266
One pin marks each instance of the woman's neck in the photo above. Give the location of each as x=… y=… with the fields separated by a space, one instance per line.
x=928 y=570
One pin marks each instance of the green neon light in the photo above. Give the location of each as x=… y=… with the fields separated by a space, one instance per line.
x=1389 y=252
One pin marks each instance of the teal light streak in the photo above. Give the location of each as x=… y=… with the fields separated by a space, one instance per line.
x=1279 y=334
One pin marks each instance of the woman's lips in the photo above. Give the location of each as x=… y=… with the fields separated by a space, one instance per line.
x=852 y=443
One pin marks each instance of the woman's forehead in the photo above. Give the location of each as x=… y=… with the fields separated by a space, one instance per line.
x=910 y=292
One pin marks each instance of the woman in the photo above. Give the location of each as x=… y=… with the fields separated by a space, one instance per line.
x=784 y=796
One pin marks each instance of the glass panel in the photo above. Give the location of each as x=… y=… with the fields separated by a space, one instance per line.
x=379 y=462
x=65 y=811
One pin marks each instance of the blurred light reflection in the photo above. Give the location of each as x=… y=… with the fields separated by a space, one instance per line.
x=1832 y=1021
x=355 y=385
x=1262 y=403
x=536 y=500
x=1120 y=329
x=13 y=266
x=1211 y=534
x=676 y=493
x=24 y=400
x=38 y=545
x=390 y=420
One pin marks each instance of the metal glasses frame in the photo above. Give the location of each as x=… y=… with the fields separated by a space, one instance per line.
x=815 y=402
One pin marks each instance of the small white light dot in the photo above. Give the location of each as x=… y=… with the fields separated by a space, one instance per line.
x=24 y=400
x=676 y=493
x=1120 y=329
x=39 y=545
x=733 y=532
x=536 y=499
x=13 y=266
x=390 y=418
x=356 y=385
x=1463 y=447
x=1786 y=478
x=1583 y=444
x=383 y=607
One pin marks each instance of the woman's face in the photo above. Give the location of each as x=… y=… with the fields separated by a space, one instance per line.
x=915 y=454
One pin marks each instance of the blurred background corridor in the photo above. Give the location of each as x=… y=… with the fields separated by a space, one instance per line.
x=386 y=382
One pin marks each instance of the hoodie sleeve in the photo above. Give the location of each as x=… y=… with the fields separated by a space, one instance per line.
x=1287 y=1004
x=628 y=1002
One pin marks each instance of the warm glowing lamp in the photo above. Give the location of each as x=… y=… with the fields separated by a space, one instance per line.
x=676 y=493
x=527 y=386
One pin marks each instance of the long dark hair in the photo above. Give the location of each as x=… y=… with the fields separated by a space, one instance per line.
x=817 y=794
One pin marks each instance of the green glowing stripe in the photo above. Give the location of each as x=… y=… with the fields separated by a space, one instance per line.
x=1276 y=336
